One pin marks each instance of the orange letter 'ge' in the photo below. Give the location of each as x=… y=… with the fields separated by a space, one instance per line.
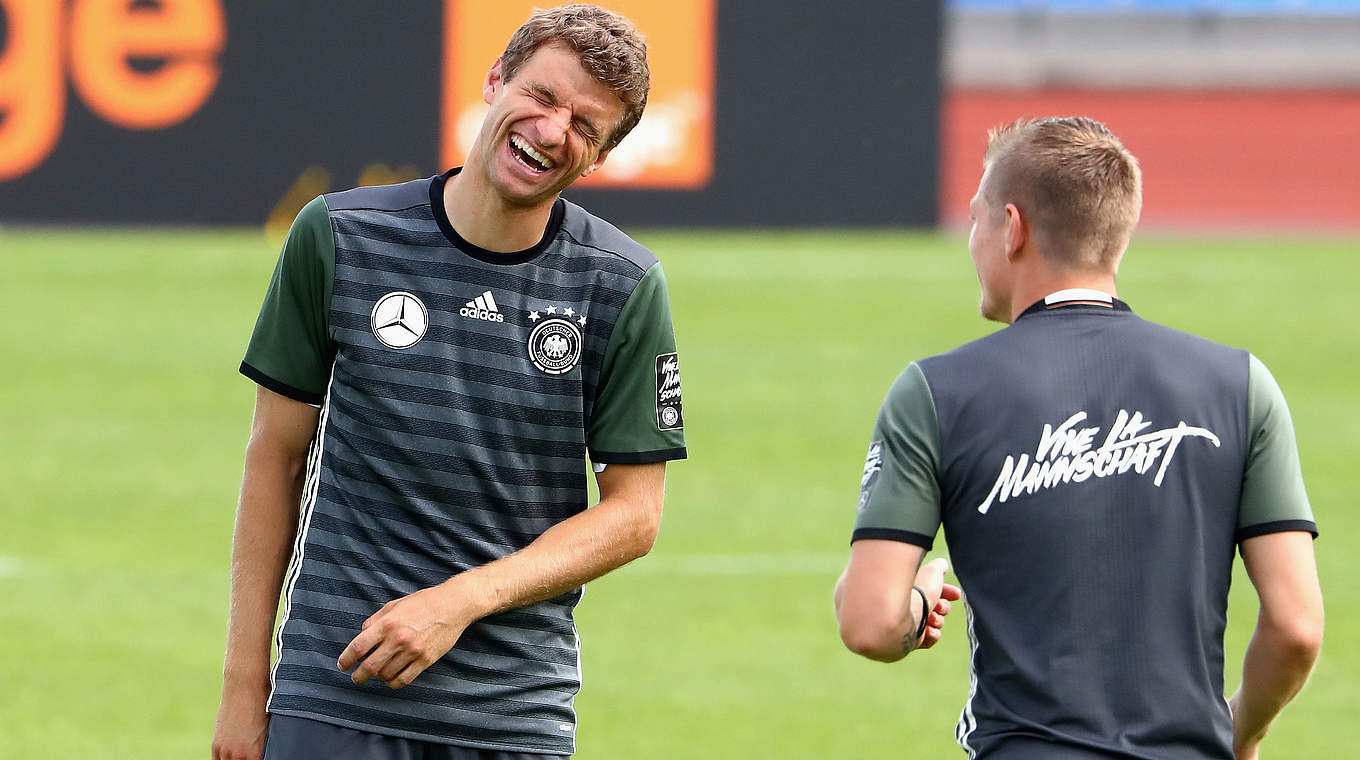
x=184 y=37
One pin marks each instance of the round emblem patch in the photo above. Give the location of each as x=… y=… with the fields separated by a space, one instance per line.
x=555 y=345
x=669 y=416
x=399 y=320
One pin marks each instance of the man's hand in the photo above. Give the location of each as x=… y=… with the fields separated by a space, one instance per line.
x=241 y=724
x=408 y=635
x=939 y=595
x=876 y=607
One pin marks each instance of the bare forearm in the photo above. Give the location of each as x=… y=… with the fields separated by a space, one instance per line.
x=266 y=524
x=884 y=610
x=1276 y=666
x=882 y=628
x=567 y=555
x=1288 y=633
x=403 y=638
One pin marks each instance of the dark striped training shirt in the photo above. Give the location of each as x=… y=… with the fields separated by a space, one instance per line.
x=1093 y=473
x=461 y=391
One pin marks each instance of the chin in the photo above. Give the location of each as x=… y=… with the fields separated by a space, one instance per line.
x=516 y=194
x=993 y=312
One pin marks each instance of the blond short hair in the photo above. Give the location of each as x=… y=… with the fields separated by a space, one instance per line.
x=609 y=46
x=1075 y=182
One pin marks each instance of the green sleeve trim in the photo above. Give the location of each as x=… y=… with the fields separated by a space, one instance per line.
x=900 y=488
x=637 y=406
x=1272 y=484
x=291 y=347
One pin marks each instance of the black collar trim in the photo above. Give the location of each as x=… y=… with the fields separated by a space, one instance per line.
x=441 y=217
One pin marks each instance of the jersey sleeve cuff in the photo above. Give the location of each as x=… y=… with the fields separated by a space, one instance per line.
x=281 y=388
x=892 y=534
x=637 y=457
x=1279 y=526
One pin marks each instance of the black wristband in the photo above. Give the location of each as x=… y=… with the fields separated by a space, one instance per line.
x=925 y=613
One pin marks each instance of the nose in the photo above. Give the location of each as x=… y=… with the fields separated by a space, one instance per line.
x=553 y=127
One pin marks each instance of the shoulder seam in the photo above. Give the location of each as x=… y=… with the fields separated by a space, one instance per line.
x=370 y=208
x=328 y=300
x=616 y=254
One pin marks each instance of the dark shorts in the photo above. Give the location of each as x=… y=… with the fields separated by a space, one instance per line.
x=291 y=738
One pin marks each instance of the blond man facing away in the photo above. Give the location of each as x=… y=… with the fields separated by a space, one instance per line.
x=1094 y=474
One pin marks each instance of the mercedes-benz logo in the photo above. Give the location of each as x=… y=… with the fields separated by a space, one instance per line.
x=399 y=320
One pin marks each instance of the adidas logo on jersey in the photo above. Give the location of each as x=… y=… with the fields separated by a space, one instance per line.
x=483 y=307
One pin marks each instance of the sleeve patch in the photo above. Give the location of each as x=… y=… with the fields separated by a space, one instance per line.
x=873 y=464
x=668 y=413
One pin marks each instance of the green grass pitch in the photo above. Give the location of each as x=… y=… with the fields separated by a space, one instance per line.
x=123 y=422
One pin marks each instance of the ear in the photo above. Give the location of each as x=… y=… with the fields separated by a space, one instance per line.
x=1016 y=231
x=599 y=161
x=493 y=82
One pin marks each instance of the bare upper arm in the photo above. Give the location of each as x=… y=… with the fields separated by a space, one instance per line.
x=880 y=574
x=641 y=484
x=282 y=425
x=1283 y=570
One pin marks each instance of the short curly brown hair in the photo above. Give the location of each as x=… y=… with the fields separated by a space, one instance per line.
x=609 y=46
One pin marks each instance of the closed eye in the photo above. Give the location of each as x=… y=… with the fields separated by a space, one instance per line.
x=543 y=95
x=587 y=131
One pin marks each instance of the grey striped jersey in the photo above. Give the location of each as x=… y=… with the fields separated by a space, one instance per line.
x=461 y=392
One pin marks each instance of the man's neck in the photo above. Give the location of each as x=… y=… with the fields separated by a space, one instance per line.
x=483 y=219
x=1030 y=292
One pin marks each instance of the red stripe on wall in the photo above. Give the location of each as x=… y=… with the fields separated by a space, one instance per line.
x=1256 y=159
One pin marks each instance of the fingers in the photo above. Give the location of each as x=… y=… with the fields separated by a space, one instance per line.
x=933 y=573
x=408 y=674
x=931 y=576
x=224 y=750
x=395 y=665
x=934 y=631
x=394 y=653
x=359 y=646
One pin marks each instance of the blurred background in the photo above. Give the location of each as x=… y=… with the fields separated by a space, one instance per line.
x=803 y=170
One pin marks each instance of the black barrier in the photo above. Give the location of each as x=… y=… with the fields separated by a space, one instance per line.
x=824 y=113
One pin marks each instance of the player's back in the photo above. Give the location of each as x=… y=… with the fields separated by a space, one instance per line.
x=1090 y=469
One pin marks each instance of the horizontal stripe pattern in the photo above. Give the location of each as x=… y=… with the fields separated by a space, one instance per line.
x=422 y=390
x=441 y=457
x=449 y=277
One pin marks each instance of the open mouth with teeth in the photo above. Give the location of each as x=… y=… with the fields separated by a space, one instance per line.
x=525 y=154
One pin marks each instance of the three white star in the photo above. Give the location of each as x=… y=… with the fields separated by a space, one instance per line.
x=568 y=311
